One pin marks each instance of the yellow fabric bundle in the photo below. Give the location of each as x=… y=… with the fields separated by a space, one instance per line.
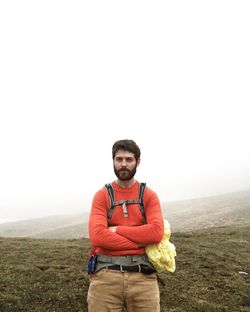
x=162 y=255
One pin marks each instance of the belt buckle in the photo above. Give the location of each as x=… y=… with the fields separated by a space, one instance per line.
x=122 y=270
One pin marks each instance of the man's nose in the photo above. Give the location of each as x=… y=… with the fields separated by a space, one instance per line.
x=124 y=163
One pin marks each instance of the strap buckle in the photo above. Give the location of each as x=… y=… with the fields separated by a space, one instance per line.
x=122 y=270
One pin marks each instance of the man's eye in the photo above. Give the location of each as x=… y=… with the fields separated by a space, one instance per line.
x=129 y=159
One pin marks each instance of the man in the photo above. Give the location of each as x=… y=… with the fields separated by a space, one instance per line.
x=121 y=276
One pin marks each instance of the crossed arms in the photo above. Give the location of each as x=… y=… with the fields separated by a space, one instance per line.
x=122 y=237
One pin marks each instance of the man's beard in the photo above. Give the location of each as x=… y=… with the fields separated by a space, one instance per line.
x=125 y=174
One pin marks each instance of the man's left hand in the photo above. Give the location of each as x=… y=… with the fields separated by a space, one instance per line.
x=112 y=228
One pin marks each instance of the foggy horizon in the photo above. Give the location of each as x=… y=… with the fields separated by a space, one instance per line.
x=48 y=207
x=172 y=76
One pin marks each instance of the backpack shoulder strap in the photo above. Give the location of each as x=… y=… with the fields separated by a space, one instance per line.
x=141 y=193
x=111 y=208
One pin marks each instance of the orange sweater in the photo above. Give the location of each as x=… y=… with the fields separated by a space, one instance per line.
x=131 y=234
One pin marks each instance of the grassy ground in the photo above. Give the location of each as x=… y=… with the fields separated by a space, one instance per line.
x=50 y=275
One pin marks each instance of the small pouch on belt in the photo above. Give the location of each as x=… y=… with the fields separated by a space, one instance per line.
x=92 y=264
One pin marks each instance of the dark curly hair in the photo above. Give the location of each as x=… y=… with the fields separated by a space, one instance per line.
x=126 y=145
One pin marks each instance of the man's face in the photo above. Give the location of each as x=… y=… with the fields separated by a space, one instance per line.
x=125 y=165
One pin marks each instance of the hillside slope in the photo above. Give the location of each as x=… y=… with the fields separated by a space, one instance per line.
x=40 y=227
x=199 y=213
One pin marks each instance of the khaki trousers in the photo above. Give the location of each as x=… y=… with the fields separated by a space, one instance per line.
x=115 y=291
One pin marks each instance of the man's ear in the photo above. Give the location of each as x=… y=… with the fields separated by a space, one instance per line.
x=138 y=162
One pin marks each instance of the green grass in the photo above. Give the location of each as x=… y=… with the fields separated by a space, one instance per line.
x=50 y=275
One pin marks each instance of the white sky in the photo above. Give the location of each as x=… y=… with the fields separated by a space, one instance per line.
x=76 y=76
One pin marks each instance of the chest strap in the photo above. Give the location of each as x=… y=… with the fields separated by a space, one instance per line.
x=124 y=203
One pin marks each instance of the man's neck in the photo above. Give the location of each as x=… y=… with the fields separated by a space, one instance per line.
x=125 y=184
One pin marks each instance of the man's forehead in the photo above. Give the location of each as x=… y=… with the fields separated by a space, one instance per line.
x=122 y=153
